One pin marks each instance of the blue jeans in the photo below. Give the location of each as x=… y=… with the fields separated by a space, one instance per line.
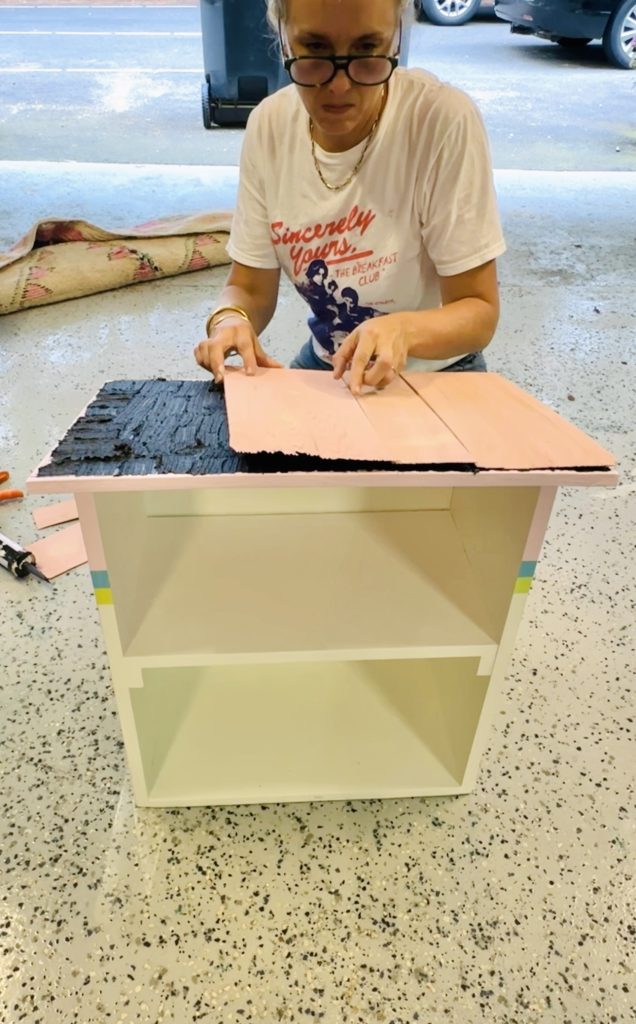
x=307 y=359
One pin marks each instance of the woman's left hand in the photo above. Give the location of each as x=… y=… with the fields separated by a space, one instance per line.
x=376 y=352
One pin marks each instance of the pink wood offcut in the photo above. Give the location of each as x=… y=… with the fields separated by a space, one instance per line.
x=53 y=515
x=60 y=551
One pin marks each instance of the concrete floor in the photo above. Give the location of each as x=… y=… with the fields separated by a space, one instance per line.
x=511 y=904
x=514 y=904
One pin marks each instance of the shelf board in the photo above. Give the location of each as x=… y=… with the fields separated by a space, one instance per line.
x=485 y=653
x=266 y=734
x=280 y=587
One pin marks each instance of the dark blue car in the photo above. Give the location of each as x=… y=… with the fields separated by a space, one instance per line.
x=574 y=23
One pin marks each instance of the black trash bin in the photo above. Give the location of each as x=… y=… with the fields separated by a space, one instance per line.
x=240 y=60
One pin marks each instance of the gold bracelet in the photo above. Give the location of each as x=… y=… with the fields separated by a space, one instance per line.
x=224 y=309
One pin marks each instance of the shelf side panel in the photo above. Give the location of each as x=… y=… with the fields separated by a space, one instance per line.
x=536 y=529
x=136 y=568
x=159 y=721
x=494 y=525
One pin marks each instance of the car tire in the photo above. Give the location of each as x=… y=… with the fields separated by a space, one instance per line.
x=619 y=37
x=446 y=12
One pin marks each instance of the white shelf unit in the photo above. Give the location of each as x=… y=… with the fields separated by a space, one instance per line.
x=306 y=731
x=283 y=644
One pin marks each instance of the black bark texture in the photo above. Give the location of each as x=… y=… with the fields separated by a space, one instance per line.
x=150 y=427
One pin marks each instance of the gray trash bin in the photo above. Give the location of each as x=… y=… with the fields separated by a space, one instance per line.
x=241 y=59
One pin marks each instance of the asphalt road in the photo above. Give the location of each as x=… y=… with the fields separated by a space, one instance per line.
x=122 y=85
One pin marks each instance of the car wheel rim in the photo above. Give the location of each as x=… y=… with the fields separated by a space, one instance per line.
x=453 y=8
x=628 y=33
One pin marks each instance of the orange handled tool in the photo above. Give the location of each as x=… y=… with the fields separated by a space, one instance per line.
x=11 y=494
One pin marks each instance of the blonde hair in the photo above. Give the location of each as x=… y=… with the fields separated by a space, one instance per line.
x=277 y=10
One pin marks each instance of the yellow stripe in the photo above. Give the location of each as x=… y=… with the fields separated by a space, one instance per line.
x=103 y=596
x=523 y=584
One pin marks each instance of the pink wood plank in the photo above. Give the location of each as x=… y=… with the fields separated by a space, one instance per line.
x=53 y=515
x=60 y=551
x=303 y=411
x=294 y=411
x=502 y=426
x=408 y=429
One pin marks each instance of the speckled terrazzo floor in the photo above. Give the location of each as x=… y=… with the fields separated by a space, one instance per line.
x=514 y=904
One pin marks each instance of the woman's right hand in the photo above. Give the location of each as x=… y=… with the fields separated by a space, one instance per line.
x=232 y=336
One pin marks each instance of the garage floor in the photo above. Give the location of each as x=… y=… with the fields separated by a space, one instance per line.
x=513 y=904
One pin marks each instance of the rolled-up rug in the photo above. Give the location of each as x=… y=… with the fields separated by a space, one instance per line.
x=64 y=259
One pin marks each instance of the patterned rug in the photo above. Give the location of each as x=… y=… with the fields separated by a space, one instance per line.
x=64 y=259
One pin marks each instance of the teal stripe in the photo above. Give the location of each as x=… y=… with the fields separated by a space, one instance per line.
x=100 y=579
x=527 y=569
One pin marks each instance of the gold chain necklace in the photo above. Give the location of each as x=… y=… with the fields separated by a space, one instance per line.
x=343 y=184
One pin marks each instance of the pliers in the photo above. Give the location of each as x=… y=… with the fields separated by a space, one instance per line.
x=9 y=495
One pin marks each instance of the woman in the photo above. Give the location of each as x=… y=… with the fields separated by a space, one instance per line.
x=382 y=176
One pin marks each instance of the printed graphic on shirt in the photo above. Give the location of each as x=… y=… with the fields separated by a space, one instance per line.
x=336 y=313
x=331 y=266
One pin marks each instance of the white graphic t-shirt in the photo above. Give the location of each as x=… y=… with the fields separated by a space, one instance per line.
x=422 y=204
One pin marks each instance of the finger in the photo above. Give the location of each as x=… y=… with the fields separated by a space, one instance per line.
x=388 y=378
x=262 y=359
x=245 y=345
x=201 y=355
x=381 y=372
x=361 y=358
x=211 y=353
x=342 y=358
x=210 y=356
x=216 y=361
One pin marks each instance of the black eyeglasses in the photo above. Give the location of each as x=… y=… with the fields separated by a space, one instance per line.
x=316 y=71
